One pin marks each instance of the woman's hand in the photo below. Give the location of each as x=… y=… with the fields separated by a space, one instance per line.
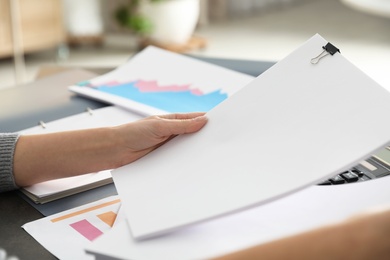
x=143 y=136
x=45 y=157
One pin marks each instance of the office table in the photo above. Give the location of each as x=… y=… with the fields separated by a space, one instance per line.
x=22 y=107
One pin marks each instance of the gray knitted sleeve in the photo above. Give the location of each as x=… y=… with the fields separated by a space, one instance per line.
x=7 y=149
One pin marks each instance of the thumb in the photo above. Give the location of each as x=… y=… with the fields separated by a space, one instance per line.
x=176 y=124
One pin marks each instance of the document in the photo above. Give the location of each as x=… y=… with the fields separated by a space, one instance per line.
x=156 y=81
x=305 y=210
x=67 y=233
x=295 y=125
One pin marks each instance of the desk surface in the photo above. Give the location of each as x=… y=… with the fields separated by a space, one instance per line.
x=22 y=107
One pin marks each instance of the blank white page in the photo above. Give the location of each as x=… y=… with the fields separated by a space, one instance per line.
x=291 y=127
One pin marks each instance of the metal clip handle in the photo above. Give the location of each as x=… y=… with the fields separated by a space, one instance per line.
x=328 y=49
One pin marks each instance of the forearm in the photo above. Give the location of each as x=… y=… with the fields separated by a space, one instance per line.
x=44 y=157
x=361 y=238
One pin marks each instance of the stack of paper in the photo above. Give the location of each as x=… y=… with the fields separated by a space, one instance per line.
x=225 y=187
x=153 y=82
x=295 y=125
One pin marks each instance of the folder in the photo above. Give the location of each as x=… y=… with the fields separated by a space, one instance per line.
x=247 y=177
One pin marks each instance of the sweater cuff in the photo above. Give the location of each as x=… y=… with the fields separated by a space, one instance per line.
x=7 y=150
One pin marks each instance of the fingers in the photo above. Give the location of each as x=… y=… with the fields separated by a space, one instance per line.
x=176 y=124
x=183 y=115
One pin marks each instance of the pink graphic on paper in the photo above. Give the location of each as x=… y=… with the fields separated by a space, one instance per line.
x=112 y=83
x=152 y=86
x=86 y=229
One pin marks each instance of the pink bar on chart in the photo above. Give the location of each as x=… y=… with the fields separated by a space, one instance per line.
x=86 y=229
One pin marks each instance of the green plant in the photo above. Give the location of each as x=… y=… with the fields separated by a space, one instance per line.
x=128 y=16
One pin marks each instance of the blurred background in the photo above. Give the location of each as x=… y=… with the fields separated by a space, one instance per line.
x=104 y=34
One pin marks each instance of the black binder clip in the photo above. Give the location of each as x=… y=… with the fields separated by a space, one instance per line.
x=328 y=49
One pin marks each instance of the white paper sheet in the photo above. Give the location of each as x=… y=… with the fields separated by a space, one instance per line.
x=293 y=126
x=310 y=208
x=170 y=83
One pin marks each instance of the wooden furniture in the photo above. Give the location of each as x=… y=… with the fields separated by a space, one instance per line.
x=194 y=43
x=27 y=26
x=32 y=24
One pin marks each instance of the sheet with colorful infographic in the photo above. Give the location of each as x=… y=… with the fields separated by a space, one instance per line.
x=67 y=233
x=157 y=81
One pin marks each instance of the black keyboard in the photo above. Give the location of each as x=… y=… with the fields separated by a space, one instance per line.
x=369 y=169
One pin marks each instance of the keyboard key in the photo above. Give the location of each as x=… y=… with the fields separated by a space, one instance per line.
x=364 y=178
x=327 y=182
x=357 y=172
x=350 y=176
x=337 y=180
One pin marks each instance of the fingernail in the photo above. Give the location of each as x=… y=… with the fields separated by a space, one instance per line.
x=201 y=118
